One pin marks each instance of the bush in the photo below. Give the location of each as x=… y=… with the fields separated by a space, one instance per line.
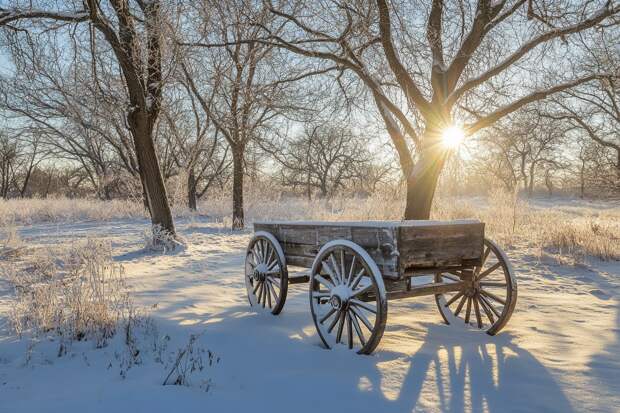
x=74 y=294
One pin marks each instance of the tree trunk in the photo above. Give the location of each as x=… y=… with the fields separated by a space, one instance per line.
x=191 y=191
x=530 y=186
x=618 y=166
x=582 y=180
x=422 y=181
x=238 y=219
x=142 y=131
x=549 y=184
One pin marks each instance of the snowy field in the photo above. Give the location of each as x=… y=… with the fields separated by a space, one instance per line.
x=560 y=351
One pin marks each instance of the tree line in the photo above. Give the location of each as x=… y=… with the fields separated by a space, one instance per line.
x=121 y=96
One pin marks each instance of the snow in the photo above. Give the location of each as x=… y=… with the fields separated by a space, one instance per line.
x=560 y=351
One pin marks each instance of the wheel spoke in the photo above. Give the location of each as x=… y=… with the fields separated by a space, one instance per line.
x=260 y=292
x=259 y=250
x=334 y=321
x=340 y=326
x=362 y=290
x=350 y=276
x=491 y=307
x=320 y=294
x=323 y=281
x=336 y=269
x=251 y=260
x=484 y=257
x=254 y=256
x=258 y=284
x=468 y=310
x=357 y=279
x=328 y=269
x=326 y=316
x=268 y=295
x=342 y=271
x=363 y=318
x=486 y=309
x=276 y=297
x=460 y=306
x=349 y=330
x=265 y=246
x=271 y=250
x=363 y=305
x=489 y=270
x=453 y=299
x=358 y=329
x=275 y=281
x=494 y=297
x=272 y=265
x=477 y=310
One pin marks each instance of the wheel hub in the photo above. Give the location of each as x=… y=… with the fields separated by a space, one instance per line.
x=336 y=302
x=260 y=272
x=340 y=296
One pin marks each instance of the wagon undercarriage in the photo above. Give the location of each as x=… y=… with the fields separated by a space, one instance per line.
x=355 y=268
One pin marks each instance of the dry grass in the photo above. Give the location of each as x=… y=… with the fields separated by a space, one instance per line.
x=35 y=210
x=576 y=229
x=74 y=294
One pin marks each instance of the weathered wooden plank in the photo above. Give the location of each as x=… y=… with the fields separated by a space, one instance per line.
x=426 y=289
x=440 y=245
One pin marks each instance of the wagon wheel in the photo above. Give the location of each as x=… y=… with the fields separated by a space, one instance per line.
x=347 y=297
x=489 y=296
x=266 y=276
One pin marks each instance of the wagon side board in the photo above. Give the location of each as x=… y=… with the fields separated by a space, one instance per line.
x=301 y=242
x=453 y=244
x=400 y=249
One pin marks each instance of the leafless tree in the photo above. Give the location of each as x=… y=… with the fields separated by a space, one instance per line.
x=241 y=85
x=325 y=158
x=195 y=146
x=522 y=146
x=455 y=63
x=133 y=32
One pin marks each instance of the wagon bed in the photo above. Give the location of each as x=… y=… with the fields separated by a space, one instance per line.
x=355 y=267
x=399 y=248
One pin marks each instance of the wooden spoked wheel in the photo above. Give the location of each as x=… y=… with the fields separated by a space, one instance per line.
x=266 y=276
x=347 y=297
x=489 y=296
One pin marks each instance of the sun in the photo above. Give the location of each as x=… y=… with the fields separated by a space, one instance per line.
x=452 y=137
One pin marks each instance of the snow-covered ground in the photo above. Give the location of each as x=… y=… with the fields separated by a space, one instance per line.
x=560 y=351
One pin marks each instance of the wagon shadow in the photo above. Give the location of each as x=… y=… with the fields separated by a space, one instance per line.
x=453 y=371
x=470 y=371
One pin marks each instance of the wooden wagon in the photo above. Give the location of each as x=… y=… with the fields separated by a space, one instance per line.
x=355 y=267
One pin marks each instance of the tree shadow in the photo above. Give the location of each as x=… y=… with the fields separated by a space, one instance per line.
x=477 y=372
x=454 y=370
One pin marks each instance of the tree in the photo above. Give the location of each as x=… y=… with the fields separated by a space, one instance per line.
x=454 y=68
x=323 y=158
x=522 y=145
x=242 y=85
x=195 y=146
x=133 y=31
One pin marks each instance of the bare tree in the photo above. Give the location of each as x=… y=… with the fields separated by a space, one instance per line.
x=455 y=69
x=195 y=146
x=132 y=30
x=522 y=146
x=241 y=85
x=326 y=158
